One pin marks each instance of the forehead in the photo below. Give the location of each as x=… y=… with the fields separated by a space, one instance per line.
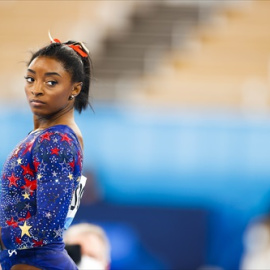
x=47 y=64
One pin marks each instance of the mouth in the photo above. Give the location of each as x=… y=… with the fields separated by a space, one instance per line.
x=36 y=102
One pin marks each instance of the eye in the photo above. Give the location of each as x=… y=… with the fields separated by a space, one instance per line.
x=29 y=79
x=52 y=83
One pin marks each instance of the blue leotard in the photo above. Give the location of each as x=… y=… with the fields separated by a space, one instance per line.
x=39 y=181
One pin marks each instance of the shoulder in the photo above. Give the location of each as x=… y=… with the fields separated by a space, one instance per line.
x=57 y=144
x=58 y=134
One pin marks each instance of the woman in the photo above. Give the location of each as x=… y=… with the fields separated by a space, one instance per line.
x=41 y=179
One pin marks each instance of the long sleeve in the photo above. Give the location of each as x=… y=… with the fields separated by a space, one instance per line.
x=50 y=170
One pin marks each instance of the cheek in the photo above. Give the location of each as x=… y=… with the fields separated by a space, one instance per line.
x=65 y=95
x=60 y=98
x=26 y=90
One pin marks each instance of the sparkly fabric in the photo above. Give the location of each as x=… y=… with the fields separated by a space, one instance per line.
x=47 y=257
x=39 y=179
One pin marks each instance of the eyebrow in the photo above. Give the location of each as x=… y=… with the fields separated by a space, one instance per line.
x=46 y=74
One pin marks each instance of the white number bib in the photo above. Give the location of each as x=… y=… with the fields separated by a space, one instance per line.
x=75 y=201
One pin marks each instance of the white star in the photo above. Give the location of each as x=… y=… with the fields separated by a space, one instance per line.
x=58 y=232
x=27 y=190
x=13 y=165
x=64 y=165
x=28 y=243
x=42 y=166
x=48 y=215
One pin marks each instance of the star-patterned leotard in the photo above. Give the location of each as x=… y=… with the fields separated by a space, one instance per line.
x=38 y=181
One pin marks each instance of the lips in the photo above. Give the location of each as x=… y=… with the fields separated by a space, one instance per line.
x=36 y=101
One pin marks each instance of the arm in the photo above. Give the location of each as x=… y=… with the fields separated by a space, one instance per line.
x=57 y=169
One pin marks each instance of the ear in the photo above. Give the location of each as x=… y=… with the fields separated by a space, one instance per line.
x=77 y=87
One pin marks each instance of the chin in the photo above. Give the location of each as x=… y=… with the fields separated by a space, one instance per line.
x=39 y=113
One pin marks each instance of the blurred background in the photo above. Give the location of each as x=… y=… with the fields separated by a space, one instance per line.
x=177 y=149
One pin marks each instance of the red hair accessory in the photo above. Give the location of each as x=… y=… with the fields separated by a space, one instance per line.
x=77 y=47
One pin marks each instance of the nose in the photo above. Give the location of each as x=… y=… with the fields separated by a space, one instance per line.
x=37 y=89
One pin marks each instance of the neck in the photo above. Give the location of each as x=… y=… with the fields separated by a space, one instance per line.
x=64 y=117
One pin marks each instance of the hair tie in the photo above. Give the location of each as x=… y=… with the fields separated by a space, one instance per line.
x=77 y=47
